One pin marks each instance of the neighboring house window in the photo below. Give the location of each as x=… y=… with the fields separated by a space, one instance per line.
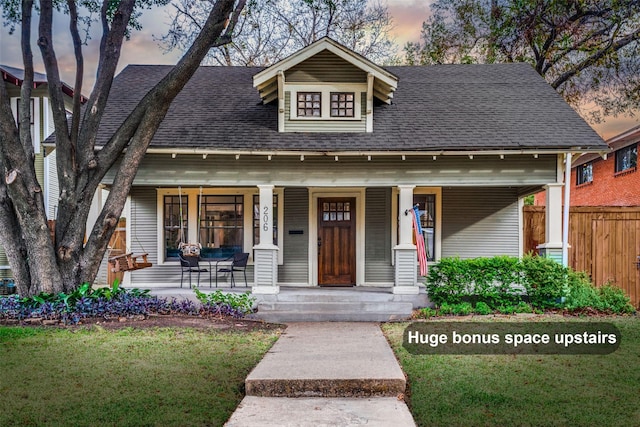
x=342 y=104
x=309 y=104
x=221 y=225
x=584 y=173
x=256 y=219
x=627 y=158
x=32 y=121
x=175 y=229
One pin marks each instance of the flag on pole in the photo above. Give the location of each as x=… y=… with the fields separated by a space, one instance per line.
x=422 y=253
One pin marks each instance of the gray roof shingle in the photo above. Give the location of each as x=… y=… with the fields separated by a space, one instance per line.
x=444 y=107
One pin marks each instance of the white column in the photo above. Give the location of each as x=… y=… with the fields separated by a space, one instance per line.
x=406 y=260
x=265 y=262
x=552 y=247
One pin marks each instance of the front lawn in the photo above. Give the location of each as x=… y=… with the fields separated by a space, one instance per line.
x=525 y=390
x=125 y=377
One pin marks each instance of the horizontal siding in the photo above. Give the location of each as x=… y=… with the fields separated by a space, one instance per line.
x=325 y=67
x=381 y=171
x=295 y=268
x=377 y=256
x=4 y=262
x=479 y=222
x=324 y=125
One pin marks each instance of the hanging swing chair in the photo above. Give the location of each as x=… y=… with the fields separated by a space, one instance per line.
x=128 y=261
x=189 y=249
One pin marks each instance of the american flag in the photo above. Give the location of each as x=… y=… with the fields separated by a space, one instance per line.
x=422 y=253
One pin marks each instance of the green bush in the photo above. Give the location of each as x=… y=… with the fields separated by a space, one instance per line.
x=581 y=292
x=614 y=300
x=482 y=308
x=544 y=281
x=243 y=302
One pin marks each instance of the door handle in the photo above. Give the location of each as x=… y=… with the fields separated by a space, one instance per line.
x=319 y=241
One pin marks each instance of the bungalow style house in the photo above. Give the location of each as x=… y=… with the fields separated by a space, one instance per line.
x=41 y=127
x=312 y=166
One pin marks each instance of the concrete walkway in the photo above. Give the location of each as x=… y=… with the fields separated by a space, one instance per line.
x=326 y=374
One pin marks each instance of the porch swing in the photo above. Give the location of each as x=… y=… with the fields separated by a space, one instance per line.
x=128 y=261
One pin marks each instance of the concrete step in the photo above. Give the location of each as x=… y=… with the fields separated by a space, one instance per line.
x=328 y=360
x=333 y=311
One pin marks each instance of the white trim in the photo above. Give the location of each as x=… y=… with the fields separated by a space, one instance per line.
x=325 y=90
x=520 y=227
x=318 y=192
x=333 y=47
x=126 y=278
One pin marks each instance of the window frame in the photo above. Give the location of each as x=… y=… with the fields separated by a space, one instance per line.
x=326 y=89
x=345 y=108
x=633 y=151
x=306 y=108
x=580 y=174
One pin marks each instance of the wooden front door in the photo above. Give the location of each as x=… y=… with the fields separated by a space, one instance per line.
x=337 y=241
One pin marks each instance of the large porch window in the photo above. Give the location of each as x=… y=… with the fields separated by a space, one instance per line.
x=222 y=220
x=175 y=229
x=221 y=226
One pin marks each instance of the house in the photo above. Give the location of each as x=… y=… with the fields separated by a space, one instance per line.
x=41 y=127
x=312 y=166
x=609 y=178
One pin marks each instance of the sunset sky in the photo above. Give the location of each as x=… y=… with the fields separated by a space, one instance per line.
x=407 y=16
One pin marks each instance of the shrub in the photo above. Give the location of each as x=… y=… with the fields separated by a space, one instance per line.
x=425 y=313
x=482 y=308
x=462 y=309
x=242 y=302
x=498 y=281
x=581 y=292
x=614 y=300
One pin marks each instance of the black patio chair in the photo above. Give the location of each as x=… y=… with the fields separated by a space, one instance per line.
x=238 y=263
x=191 y=264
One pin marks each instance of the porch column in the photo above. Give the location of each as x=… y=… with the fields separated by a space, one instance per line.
x=552 y=247
x=265 y=262
x=405 y=252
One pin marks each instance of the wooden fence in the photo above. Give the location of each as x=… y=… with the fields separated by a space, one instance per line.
x=604 y=242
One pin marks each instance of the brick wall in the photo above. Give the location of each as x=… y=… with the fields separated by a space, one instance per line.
x=607 y=188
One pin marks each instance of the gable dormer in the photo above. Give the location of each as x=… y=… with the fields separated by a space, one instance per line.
x=325 y=87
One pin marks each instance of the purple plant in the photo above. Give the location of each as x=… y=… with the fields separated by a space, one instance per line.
x=122 y=304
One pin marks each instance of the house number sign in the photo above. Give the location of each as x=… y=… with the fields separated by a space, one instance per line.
x=265 y=218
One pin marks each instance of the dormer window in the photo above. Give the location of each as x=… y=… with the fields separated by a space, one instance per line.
x=309 y=104
x=342 y=104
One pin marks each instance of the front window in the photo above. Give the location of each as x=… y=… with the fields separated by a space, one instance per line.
x=584 y=173
x=309 y=104
x=176 y=224
x=221 y=225
x=427 y=207
x=627 y=158
x=342 y=104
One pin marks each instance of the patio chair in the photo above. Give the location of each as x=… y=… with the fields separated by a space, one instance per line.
x=191 y=264
x=238 y=263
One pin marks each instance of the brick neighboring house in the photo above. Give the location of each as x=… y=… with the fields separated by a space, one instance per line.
x=612 y=180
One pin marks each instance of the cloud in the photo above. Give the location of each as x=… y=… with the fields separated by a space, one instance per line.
x=408 y=16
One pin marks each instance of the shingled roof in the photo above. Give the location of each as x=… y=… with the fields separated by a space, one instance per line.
x=444 y=108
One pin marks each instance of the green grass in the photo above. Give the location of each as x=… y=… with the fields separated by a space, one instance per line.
x=129 y=377
x=525 y=390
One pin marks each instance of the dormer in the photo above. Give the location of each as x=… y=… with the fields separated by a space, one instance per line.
x=325 y=87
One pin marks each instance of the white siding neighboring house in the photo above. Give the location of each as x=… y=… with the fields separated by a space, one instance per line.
x=42 y=126
x=313 y=164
